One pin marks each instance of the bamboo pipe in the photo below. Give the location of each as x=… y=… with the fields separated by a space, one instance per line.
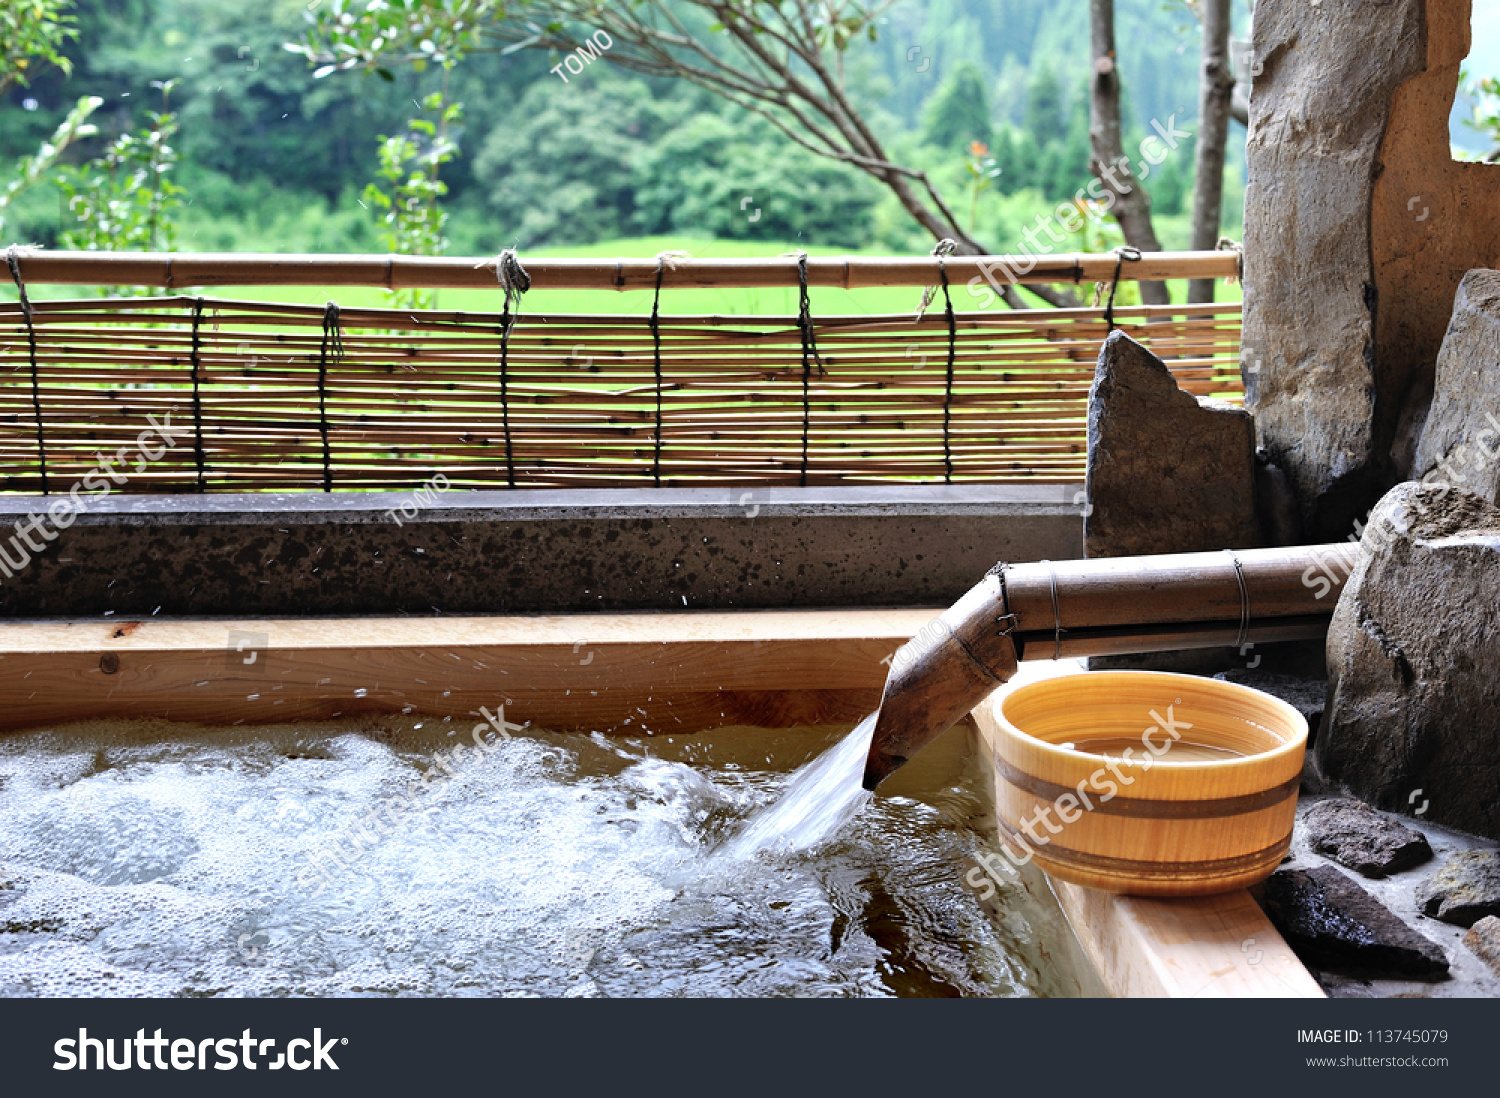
x=1101 y=607
x=399 y=272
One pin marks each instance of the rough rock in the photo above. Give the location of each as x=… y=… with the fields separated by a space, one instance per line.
x=1460 y=443
x=1414 y=662
x=1330 y=922
x=1358 y=227
x=1276 y=504
x=1168 y=472
x=1304 y=695
x=1355 y=835
x=1465 y=890
x=1484 y=939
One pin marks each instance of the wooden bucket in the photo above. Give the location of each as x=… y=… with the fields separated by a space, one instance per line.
x=1170 y=785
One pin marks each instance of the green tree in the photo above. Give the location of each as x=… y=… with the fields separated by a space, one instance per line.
x=413 y=218
x=566 y=171
x=125 y=199
x=728 y=176
x=958 y=114
x=1046 y=110
x=783 y=60
x=32 y=36
x=1485 y=95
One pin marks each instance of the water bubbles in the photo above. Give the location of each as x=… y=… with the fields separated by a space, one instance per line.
x=152 y=860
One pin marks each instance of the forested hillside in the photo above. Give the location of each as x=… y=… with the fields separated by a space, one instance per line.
x=271 y=158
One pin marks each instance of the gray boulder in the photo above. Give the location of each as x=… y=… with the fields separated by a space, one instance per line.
x=1484 y=939
x=1359 y=227
x=1460 y=444
x=1465 y=890
x=1355 y=835
x=1168 y=472
x=1413 y=720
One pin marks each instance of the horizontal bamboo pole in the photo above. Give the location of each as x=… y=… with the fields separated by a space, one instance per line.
x=397 y=272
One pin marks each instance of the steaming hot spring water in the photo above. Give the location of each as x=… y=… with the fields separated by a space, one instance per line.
x=150 y=859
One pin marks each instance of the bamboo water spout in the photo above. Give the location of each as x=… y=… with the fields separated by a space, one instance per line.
x=1103 y=607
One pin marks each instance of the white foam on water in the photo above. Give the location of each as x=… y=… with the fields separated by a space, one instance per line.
x=163 y=861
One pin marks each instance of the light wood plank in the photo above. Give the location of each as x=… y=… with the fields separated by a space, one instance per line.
x=613 y=673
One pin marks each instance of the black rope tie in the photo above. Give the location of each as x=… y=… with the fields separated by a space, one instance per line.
x=948 y=389
x=333 y=344
x=1121 y=255
x=12 y=260
x=809 y=356
x=514 y=281
x=656 y=360
x=198 y=402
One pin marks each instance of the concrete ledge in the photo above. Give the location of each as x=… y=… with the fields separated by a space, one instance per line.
x=532 y=551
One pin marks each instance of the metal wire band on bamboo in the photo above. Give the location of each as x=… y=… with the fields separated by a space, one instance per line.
x=14 y=263
x=1239 y=575
x=333 y=340
x=1057 y=625
x=196 y=360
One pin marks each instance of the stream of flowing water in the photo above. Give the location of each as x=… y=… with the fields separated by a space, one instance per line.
x=817 y=803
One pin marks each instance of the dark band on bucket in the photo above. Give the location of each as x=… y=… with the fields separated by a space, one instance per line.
x=1147 y=870
x=1144 y=809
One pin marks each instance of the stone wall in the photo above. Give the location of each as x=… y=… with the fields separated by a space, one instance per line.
x=1358 y=229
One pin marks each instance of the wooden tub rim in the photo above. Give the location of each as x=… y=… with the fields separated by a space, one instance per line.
x=1293 y=743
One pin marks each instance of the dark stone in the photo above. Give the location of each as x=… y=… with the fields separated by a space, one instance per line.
x=1330 y=922
x=1304 y=695
x=1275 y=504
x=1460 y=443
x=1465 y=890
x=1168 y=472
x=1414 y=662
x=1355 y=835
x=1484 y=939
x=1197 y=456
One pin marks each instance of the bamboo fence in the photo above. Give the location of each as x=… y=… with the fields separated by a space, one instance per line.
x=280 y=397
